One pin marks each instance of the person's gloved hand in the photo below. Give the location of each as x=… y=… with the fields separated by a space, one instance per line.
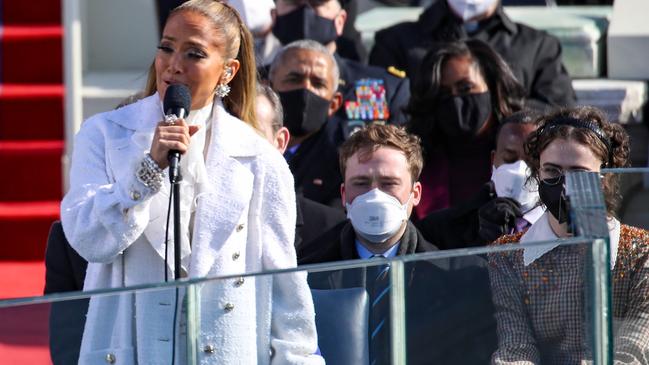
x=498 y=217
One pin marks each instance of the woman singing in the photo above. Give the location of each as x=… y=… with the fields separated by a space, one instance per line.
x=237 y=210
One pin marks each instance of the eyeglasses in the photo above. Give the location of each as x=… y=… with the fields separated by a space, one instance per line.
x=554 y=175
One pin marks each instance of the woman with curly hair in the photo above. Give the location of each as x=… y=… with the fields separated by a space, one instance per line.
x=539 y=291
x=464 y=90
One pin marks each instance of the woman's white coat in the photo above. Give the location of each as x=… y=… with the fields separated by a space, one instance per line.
x=245 y=223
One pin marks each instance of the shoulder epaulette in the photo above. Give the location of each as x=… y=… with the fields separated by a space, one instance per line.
x=396 y=72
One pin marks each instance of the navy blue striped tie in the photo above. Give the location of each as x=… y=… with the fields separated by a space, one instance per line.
x=380 y=313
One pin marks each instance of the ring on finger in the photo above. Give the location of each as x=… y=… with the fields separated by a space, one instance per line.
x=171 y=119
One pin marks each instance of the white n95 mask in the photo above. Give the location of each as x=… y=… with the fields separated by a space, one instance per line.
x=511 y=181
x=377 y=216
x=469 y=9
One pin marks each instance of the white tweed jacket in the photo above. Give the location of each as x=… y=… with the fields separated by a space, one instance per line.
x=244 y=224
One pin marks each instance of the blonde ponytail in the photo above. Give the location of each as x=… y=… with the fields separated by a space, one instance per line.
x=241 y=101
x=239 y=45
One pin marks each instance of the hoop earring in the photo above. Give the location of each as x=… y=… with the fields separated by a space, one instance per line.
x=222 y=90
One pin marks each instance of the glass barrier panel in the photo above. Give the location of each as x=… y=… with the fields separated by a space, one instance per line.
x=630 y=252
x=588 y=218
x=509 y=303
x=24 y=334
x=125 y=326
x=426 y=308
x=251 y=319
x=236 y=319
x=353 y=312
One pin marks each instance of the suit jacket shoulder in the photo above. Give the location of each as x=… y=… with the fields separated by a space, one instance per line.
x=390 y=45
x=314 y=219
x=457 y=226
x=325 y=248
x=65 y=269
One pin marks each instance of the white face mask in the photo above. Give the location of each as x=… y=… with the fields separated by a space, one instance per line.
x=511 y=182
x=469 y=9
x=255 y=13
x=377 y=216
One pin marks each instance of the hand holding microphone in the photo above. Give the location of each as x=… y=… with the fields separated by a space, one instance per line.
x=172 y=136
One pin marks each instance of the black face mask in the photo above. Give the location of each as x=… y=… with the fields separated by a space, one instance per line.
x=554 y=198
x=304 y=23
x=463 y=116
x=304 y=111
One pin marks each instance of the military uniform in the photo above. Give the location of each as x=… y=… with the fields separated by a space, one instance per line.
x=370 y=95
x=533 y=55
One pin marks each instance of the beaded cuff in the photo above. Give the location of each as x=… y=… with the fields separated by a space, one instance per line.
x=150 y=174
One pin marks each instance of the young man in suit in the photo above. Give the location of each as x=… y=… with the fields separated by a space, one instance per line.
x=381 y=166
x=448 y=305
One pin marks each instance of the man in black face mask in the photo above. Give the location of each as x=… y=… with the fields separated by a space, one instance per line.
x=305 y=75
x=370 y=94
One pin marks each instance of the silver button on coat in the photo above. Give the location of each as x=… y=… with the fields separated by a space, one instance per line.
x=136 y=195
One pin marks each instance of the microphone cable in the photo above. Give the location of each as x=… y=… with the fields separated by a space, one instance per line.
x=166 y=270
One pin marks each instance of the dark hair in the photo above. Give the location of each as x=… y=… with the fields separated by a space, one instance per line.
x=374 y=136
x=506 y=92
x=525 y=116
x=307 y=45
x=587 y=126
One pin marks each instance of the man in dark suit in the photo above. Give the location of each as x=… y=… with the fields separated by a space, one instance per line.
x=370 y=94
x=305 y=75
x=448 y=306
x=313 y=218
x=534 y=56
x=65 y=271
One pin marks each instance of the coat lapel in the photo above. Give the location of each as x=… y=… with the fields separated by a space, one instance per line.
x=143 y=115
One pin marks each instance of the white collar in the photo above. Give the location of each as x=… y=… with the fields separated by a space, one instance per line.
x=200 y=116
x=364 y=253
x=541 y=231
x=533 y=215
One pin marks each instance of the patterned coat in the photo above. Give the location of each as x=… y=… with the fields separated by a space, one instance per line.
x=540 y=307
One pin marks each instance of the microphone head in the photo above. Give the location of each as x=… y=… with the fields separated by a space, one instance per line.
x=177 y=97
